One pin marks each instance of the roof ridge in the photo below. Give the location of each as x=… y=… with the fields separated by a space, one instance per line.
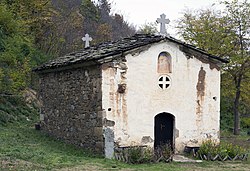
x=114 y=48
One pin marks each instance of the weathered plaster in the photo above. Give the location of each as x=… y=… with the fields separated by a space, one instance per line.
x=190 y=53
x=133 y=109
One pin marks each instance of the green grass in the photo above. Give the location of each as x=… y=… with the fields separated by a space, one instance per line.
x=27 y=144
x=24 y=148
x=15 y=110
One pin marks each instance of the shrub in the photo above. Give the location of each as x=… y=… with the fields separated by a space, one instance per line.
x=138 y=154
x=211 y=149
x=141 y=154
x=164 y=153
x=208 y=147
x=147 y=155
x=245 y=122
x=134 y=154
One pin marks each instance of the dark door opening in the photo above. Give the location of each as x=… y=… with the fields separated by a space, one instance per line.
x=163 y=131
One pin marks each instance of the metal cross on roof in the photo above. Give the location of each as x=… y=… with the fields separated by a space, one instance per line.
x=87 y=39
x=163 y=21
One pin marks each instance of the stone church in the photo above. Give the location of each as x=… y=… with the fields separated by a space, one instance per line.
x=142 y=90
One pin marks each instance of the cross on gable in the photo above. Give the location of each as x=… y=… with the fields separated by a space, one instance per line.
x=163 y=21
x=87 y=39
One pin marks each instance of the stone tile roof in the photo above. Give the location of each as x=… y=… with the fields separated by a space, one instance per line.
x=114 y=49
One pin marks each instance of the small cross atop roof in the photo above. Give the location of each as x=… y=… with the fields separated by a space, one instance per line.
x=163 y=21
x=87 y=39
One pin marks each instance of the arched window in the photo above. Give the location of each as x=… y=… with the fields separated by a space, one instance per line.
x=164 y=63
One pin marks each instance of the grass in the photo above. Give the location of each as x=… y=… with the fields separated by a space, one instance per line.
x=243 y=140
x=24 y=148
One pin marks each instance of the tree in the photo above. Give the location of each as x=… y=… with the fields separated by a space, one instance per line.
x=22 y=24
x=148 y=28
x=101 y=24
x=104 y=7
x=91 y=17
x=120 y=27
x=103 y=33
x=239 y=17
x=31 y=31
x=225 y=35
x=35 y=15
x=208 y=30
x=15 y=54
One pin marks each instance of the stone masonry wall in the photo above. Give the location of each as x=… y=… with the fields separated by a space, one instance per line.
x=71 y=106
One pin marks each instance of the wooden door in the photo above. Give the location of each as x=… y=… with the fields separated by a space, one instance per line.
x=163 y=131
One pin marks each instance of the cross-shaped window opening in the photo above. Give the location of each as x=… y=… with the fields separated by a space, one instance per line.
x=164 y=82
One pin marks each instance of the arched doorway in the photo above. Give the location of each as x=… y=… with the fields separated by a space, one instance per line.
x=164 y=130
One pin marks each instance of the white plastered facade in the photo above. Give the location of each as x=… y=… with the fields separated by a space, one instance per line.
x=134 y=110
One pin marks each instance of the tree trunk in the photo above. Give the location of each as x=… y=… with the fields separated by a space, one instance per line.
x=236 y=113
x=236 y=106
x=238 y=85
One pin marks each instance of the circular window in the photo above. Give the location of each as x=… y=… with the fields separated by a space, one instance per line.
x=164 y=82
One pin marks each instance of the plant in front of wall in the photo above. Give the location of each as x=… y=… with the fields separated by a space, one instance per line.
x=137 y=154
x=210 y=150
x=164 y=153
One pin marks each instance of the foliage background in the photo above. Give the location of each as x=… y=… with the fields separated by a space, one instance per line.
x=34 y=31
